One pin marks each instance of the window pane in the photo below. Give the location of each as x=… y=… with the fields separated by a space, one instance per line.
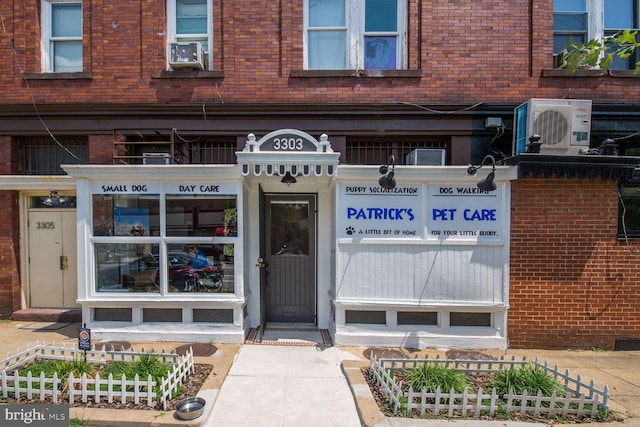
x=570 y=22
x=327 y=50
x=380 y=53
x=327 y=13
x=569 y=5
x=289 y=228
x=381 y=15
x=618 y=14
x=67 y=56
x=66 y=20
x=560 y=41
x=127 y=267
x=201 y=268
x=126 y=215
x=201 y=215
x=191 y=16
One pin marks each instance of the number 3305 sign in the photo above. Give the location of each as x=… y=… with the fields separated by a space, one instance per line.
x=45 y=225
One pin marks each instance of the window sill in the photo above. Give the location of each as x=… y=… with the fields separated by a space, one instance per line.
x=188 y=74
x=58 y=76
x=623 y=74
x=356 y=73
x=561 y=72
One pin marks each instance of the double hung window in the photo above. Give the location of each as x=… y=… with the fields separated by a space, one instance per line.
x=596 y=19
x=190 y=21
x=355 y=34
x=61 y=36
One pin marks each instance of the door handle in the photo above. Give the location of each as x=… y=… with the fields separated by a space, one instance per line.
x=261 y=264
x=64 y=262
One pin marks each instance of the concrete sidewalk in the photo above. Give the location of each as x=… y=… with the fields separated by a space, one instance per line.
x=283 y=385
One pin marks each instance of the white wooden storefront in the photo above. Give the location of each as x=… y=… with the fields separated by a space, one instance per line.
x=425 y=264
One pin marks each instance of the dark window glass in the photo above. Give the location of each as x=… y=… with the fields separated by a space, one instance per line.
x=629 y=212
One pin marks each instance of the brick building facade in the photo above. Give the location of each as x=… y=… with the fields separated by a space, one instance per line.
x=572 y=276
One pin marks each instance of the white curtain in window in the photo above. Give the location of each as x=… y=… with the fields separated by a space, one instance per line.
x=327 y=36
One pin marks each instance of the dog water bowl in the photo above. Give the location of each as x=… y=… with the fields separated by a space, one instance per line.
x=190 y=408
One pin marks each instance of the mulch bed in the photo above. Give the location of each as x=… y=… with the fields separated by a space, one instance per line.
x=476 y=379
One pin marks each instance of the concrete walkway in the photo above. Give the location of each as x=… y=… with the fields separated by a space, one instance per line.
x=285 y=386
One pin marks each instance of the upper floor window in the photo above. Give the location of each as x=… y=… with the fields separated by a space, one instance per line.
x=190 y=21
x=355 y=34
x=61 y=36
x=584 y=20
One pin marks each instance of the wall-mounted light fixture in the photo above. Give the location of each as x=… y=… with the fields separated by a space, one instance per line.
x=534 y=144
x=387 y=180
x=486 y=184
x=608 y=147
x=53 y=200
x=288 y=179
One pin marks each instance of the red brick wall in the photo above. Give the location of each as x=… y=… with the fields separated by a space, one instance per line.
x=9 y=235
x=468 y=51
x=101 y=149
x=573 y=284
x=9 y=254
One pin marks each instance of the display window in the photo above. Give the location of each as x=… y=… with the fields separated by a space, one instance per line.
x=167 y=244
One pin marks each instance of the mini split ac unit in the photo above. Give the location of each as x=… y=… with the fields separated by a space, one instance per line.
x=564 y=125
x=156 y=158
x=186 y=55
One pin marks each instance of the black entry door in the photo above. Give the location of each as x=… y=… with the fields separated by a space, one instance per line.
x=290 y=235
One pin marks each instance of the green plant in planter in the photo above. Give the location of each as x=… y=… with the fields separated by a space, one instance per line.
x=600 y=53
x=526 y=377
x=432 y=376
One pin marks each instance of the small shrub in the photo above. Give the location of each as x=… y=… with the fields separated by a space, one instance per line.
x=526 y=377
x=148 y=364
x=62 y=368
x=432 y=376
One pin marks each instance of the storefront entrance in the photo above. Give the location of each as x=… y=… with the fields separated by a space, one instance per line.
x=52 y=258
x=289 y=291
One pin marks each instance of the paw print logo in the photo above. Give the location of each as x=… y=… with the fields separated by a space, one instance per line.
x=350 y=230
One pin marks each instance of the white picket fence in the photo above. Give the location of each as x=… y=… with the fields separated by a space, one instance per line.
x=582 y=400
x=96 y=389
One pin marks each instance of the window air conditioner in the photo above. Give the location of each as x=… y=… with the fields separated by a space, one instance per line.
x=156 y=158
x=186 y=55
x=564 y=125
x=426 y=157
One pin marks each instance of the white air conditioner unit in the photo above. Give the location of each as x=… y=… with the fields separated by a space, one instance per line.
x=426 y=157
x=187 y=55
x=156 y=158
x=564 y=125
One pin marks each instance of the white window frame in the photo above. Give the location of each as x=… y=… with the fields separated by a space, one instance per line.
x=355 y=24
x=595 y=18
x=173 y=37
x=47 y=41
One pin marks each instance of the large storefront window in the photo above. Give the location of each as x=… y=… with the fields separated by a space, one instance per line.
x=141 y=238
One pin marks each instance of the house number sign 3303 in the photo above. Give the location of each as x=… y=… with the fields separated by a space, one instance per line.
x=288 y=144
x=45 y=225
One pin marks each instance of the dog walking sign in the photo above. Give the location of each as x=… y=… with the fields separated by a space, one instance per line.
x=84 y=338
